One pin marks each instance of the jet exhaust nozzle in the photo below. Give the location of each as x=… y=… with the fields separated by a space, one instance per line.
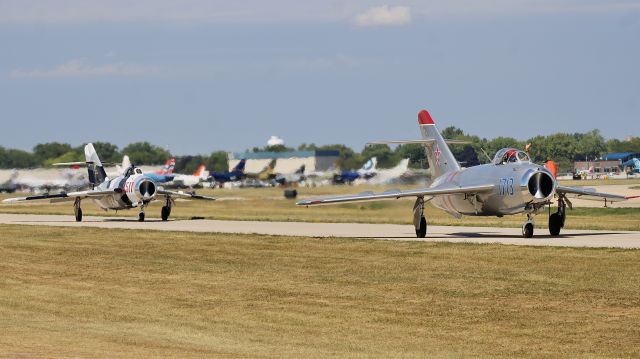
x=539 y=185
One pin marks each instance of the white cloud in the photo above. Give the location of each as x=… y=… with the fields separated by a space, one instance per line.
x=384 y=16
x=79 y=68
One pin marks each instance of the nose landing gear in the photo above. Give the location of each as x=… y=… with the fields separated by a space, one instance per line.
x=141 y=214
x=77 y=210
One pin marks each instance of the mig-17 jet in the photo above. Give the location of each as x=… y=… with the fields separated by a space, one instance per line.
x=510 y=184
x=132 y=189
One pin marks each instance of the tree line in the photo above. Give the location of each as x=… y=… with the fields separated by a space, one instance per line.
x=564 y=148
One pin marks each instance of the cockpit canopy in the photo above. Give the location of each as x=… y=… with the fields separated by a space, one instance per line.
x=133 y=170
x=510 y=155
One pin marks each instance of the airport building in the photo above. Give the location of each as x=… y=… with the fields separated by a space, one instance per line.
x=286 y=162
x=609 y=163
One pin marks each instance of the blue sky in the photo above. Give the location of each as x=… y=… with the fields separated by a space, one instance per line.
x=199 y=76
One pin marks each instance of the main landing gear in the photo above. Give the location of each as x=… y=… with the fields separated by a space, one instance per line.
x=166 y=210
x=556 y=220
x=419 y=221
x=77 y=210
x=527 y=227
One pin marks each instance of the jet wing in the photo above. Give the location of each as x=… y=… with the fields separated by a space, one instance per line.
x=590 y=194
x=181 y=194
x=395 y=194
x=61 y=197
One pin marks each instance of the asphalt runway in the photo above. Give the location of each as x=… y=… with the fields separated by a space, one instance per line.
x=456 y=234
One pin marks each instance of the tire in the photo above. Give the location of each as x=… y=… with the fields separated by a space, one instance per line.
x=79 y=215
x=527 y=230
x=422 y=231
x=165 y=212
x=141 y=217
x=555 y=224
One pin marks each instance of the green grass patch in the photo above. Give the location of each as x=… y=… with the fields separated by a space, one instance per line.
x=94 y=292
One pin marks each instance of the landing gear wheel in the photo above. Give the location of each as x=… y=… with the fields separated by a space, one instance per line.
x=165 y=213
x=422 y=231
x=555 y=224
x=141 y=217
x=527 y=230
x=78 y=215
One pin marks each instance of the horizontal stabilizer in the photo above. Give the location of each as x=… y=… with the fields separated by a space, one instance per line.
x=423 y=142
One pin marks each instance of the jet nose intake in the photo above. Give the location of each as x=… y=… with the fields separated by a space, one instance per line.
x=540 y=185
x=147 y=189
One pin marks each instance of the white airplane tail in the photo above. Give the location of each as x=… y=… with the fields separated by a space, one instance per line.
x=440 y=158
x=370 y=165
x=96 y=171
x=126 y=163
x=202 y=172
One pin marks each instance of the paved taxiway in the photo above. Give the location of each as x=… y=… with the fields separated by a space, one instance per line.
x=569 y=238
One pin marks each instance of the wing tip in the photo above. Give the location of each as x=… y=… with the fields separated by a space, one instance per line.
x=424 y=118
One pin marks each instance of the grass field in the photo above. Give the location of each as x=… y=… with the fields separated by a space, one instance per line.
x=268 y=204
x=116 y=293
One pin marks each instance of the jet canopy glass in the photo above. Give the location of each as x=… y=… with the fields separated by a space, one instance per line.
x=510 y=155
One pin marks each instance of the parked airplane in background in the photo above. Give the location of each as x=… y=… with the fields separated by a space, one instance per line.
x=131 y=190
x=285 y=179
x=190 y=181
x=634 y=164
x=236 y=174
x=367 y=171
x=9 y=186
x=510 y=184
x=165 y=174
x=67 y=180
x=388 y=175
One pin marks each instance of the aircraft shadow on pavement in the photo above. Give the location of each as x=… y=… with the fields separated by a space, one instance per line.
x=488 y=235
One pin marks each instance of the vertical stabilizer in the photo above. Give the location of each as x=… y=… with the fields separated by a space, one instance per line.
x=370 y=165
x=201 y=172
x=97 y=175
x=440 y=158
x=239 y=168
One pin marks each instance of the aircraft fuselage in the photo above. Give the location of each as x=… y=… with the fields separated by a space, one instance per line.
x=519 y=187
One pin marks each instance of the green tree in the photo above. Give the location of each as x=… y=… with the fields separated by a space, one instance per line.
x=589 y=145
x=143 y=153
x=415 y=153
x=188 y=164
x=45 y=151
x=71 y=156
x=217 y=161
x=386 y=157
x=108 y=152
x=615 y=145
x=12 y=158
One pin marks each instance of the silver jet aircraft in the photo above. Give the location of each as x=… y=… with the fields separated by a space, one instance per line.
x=130 y=190
x=510 y=184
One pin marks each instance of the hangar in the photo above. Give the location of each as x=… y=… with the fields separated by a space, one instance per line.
x=287 y=162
